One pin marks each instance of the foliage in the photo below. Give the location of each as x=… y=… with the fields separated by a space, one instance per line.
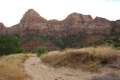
x=41 y=50
x=9 y=44
x=31 y=36
x=113 y=41
x=61 y=42
x=68 y=41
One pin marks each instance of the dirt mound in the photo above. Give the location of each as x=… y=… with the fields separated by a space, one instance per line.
x=78 y=58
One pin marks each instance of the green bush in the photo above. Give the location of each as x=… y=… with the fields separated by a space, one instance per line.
x=113 y=41
x=68 y=41
x=9 y=45
x=20 y=50
x=41 y=50
x=31 y=36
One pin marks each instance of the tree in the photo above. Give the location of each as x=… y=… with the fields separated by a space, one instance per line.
x=9 y=45
x=68 y=41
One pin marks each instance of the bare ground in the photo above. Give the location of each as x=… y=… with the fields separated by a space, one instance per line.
x=38 y=71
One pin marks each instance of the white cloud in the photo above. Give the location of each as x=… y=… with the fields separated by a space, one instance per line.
x=11 y=11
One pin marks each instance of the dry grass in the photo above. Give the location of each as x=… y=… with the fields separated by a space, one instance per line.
x=86 y=58
x=107 y=76
x=11 y=67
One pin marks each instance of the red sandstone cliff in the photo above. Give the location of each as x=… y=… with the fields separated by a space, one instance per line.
x=33 y=23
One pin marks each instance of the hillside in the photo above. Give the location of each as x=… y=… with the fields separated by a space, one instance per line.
x=75 y=31
x=101 y=63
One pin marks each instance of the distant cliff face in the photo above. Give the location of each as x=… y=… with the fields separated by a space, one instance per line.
x=33 y=24
x=2 y=28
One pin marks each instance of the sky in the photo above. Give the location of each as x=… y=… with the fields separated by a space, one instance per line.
x=11 y=11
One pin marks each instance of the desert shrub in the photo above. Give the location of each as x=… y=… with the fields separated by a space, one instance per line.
x=31 y=36
x=68 y=41
x=9 y=45
x=41 y=50
x=113 y=41
x=20 y=50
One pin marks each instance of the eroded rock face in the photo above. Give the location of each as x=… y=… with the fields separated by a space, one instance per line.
x=55 y=28
x=76 y=18
x=116 y=28
x=93 y=29
x=32 y=22
x=2 y=28
x=31 y=17
x=99 y=26
x=74 y=23
x=98 y=29
x=77 y=22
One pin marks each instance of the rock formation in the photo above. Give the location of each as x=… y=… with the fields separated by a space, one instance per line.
x=2 y=29
x=33 y=24
x=98 y=29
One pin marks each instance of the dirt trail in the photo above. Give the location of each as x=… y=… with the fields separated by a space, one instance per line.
x=38 y=71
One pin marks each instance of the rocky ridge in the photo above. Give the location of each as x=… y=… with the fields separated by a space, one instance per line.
x=33 y=24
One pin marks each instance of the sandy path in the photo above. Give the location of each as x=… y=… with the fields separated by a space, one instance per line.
x=38 y=71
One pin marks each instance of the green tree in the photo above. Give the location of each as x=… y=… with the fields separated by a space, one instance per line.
x=9 y=45
x=41 y=50
x=68 y=41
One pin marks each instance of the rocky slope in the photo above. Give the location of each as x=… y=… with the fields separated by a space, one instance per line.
x=32 y=24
